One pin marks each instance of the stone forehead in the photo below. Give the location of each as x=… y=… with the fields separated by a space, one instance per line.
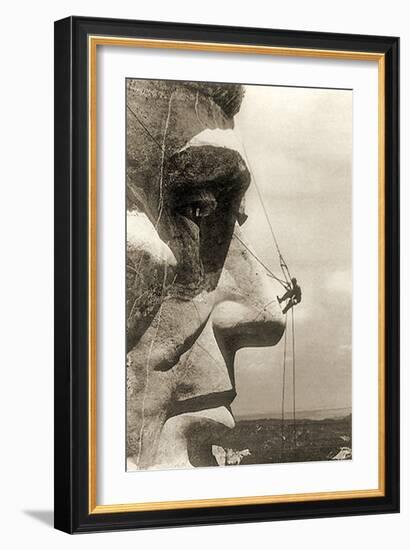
x=226 y=95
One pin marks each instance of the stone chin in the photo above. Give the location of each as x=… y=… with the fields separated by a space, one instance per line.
x=186 y=440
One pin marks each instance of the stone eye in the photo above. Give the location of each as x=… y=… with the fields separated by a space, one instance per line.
x=198 y=208
x=195 y=211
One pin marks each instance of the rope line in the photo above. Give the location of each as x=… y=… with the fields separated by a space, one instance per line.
x=283 y=388
x=147 y=370
x=294 y=377
x=163 y=149
x=144 y=127
x=286 y=283
x=283 y=283
x=283 y=265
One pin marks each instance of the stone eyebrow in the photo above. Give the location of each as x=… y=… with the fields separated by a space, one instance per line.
x=207 y=165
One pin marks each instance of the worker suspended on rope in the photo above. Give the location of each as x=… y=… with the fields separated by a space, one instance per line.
x=293 y=295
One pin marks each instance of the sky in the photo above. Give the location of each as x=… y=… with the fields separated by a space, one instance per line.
x=299 y=144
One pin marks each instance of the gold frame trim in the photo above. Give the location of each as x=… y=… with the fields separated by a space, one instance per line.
x=93 y=42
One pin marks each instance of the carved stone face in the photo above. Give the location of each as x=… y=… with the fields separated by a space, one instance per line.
x=195 y=294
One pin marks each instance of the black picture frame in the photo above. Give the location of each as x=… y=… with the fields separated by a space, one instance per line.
x=71 y=487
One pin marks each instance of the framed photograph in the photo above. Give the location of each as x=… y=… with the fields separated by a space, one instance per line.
x=226 y=274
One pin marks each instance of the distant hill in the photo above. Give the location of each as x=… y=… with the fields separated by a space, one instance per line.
x=317 y=414
x=316 y=436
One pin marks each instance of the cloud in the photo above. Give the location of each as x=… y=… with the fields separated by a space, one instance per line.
x=339 y=281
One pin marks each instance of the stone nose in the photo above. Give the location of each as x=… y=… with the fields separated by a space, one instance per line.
x=248 y=313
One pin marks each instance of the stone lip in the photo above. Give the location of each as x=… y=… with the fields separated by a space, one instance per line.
x=203 y=402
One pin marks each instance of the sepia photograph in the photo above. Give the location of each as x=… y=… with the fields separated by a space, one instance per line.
x=238 y=274
x=227 y=288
